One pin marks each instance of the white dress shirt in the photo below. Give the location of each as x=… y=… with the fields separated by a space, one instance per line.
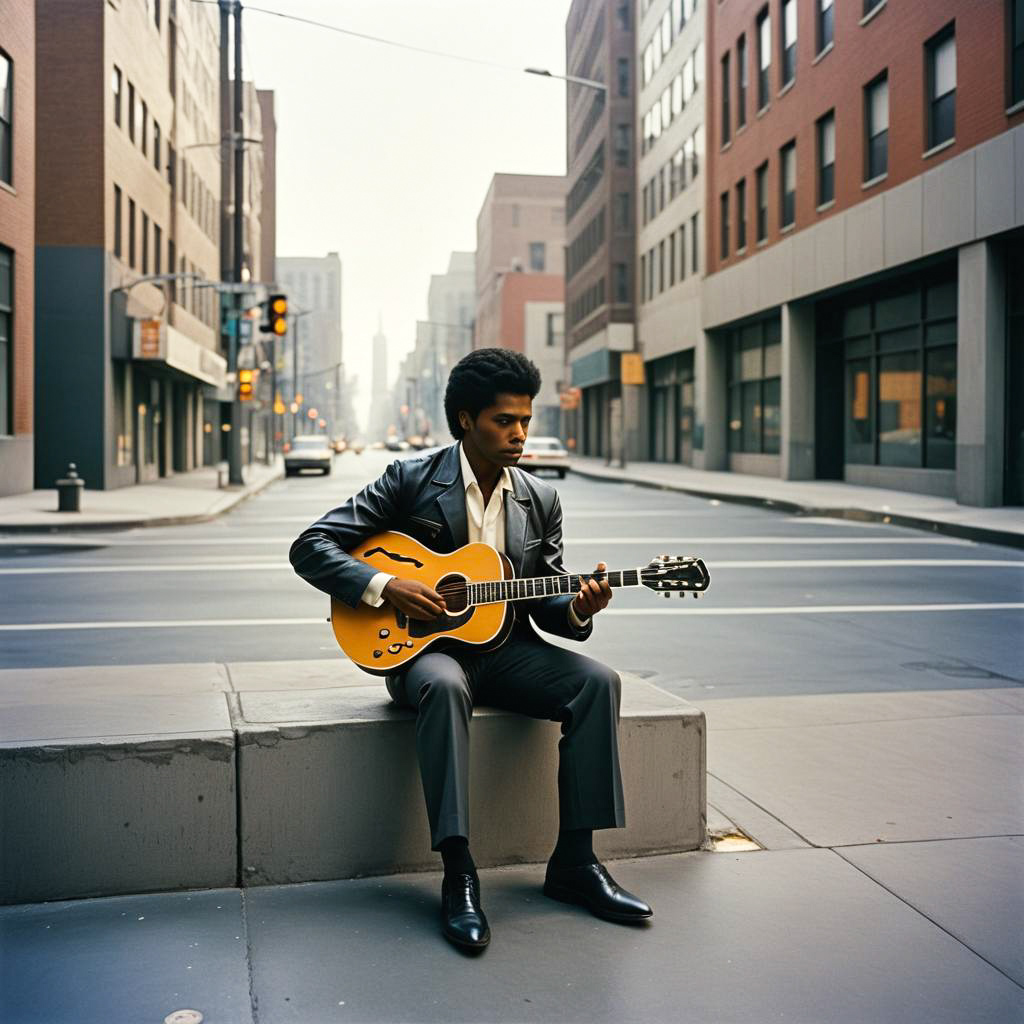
x=484 y=524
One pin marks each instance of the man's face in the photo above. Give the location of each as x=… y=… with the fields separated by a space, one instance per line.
x=499 y=431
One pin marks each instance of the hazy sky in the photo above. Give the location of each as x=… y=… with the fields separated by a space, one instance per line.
x=385 y=155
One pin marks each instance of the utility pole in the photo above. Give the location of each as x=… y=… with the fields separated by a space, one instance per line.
x=235 y=450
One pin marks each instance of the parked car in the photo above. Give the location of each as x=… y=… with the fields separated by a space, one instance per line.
x=544 y=453
x=396 y=444
x=339 y=444
x=308 y=451
x=356 y=447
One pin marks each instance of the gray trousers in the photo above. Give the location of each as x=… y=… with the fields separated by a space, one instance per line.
x=533 y=677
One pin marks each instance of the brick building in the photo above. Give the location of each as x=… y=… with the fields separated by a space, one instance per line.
x=865 y=200
x=17 y=241
x=135 y=85
x=520 y=288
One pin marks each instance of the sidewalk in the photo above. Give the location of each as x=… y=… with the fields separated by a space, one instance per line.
x=888 y=886
x=831 y=498
x=192 y=497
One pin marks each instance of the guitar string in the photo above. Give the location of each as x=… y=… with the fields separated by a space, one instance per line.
x=458 y=588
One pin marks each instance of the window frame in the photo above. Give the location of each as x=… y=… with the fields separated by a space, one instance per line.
x=723 y=219
x=726 y=124
x=824 y=15
x=871 y=171
x=945 y=35
x=7 y=124
x=741 y=81
x=741 y=215
x=829 y=117
x=787 y=53
x=787 y=200
x=764 y=69
x=761 y=200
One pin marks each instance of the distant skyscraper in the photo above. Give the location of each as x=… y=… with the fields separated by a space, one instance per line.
x=380 y=400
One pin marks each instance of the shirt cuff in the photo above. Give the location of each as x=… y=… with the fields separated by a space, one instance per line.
x=374 y=592
x=575 y=620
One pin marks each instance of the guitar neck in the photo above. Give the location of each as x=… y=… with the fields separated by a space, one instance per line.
x=493 y=591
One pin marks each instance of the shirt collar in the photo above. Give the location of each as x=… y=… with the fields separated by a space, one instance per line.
x=469 y=477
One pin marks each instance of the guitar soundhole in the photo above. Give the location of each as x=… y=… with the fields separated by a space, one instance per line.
x=453 y=589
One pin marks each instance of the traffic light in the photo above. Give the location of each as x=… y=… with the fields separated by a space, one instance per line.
x=277 y=315
x=245 y=385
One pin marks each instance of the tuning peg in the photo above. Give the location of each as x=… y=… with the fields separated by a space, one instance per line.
x=667 y=594
x=682 y=593
x=695 y=595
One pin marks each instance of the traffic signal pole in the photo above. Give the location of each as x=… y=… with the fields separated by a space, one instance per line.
x=235 y=437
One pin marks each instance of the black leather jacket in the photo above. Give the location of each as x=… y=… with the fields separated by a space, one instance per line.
x=425 y=498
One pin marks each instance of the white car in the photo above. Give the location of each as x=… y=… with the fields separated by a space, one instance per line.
x=308 y=451
x=544 y=453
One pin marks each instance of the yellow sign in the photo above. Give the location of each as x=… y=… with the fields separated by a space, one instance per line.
x=632 y=368
x=570 y=398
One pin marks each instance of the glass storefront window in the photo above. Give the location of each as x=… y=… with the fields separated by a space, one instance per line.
x=860 y=427
x=940 y=408
x=771 y=414
x=751 y=426
x=899 y=409
x=755 y=387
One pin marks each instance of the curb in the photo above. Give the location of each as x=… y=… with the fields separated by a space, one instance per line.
x=134 y=524
x=981 y=534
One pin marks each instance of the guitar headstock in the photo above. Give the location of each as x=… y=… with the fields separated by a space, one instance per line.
x=676 y=574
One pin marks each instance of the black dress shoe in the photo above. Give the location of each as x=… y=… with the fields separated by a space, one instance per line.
x=591 y=886
x=462 y=920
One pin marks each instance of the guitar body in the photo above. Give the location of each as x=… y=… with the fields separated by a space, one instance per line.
x=384 y=640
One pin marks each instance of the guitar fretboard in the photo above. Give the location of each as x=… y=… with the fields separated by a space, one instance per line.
x=546 y=586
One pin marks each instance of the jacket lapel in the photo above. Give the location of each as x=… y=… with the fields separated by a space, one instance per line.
x=517 y=508
x=452 y=499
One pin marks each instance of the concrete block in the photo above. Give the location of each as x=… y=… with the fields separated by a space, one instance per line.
x=830 y=252
x=994 y=166
x=116 y=794
x=949 y=200
x=330 y=786
x=775 y=271
x=805 y=274
x=904 y=240
x=865 y=250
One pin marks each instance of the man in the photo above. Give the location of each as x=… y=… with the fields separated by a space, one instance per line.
x=471 y=491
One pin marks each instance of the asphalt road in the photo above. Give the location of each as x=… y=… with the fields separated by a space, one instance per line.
x=796 y=605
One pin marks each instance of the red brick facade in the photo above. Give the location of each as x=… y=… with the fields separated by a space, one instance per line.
x=17 y=201
x=892 y=39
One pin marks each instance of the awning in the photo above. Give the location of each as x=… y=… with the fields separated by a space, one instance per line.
x=154 y=341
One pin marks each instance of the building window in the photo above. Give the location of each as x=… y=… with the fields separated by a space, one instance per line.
x=622 y=145
x=724 y=216
x=899 y=345
x=682 y=252
x=157 y=249
x=764 y=58
x=876 y=116
x=622 y=11
x=755 y=387
x=115 y=89
x=622 y=203
x=131 y=111
x=661 y=266
x=621 y=293
x=6 y=119
x=643 y=277
x=156 y=145
x=172 y=284
x=6 y=340
x=672 y=259
x=144 y=125
x=1016 y=51
x=118 y=228
x=787 y=185
x=827 y=158
x=693 y=243
x=788 y=41
x=741 y=81
x=762 y=201
x=825 y=26
x=741 y=215
x=171 y=163
x=941 y=63
x=870 y=5
x=623 y=66
x=537 y=255
x=145 y=243
x=725 y=99
x=131 y=233
x=555 y=329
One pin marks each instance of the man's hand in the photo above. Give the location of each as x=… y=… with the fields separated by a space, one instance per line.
x=593 y=596
x=416 y=599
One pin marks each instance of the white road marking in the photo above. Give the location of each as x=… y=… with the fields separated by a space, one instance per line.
x=796 y=563
x=286 y=541
x=835 y=609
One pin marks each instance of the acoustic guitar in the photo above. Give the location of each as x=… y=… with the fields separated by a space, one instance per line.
x=477 y=584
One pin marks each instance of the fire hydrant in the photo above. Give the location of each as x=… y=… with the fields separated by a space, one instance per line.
x=69 y=491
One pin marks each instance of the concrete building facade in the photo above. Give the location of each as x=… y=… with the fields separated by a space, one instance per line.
x=313 y=285
x=865 y=206
x=670 y=223
x=600 y=218
x=127 y=374
x=520 y=259
x=17 y=243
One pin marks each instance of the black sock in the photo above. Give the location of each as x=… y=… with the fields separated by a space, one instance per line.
x=574 y=848
x=456 y=857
